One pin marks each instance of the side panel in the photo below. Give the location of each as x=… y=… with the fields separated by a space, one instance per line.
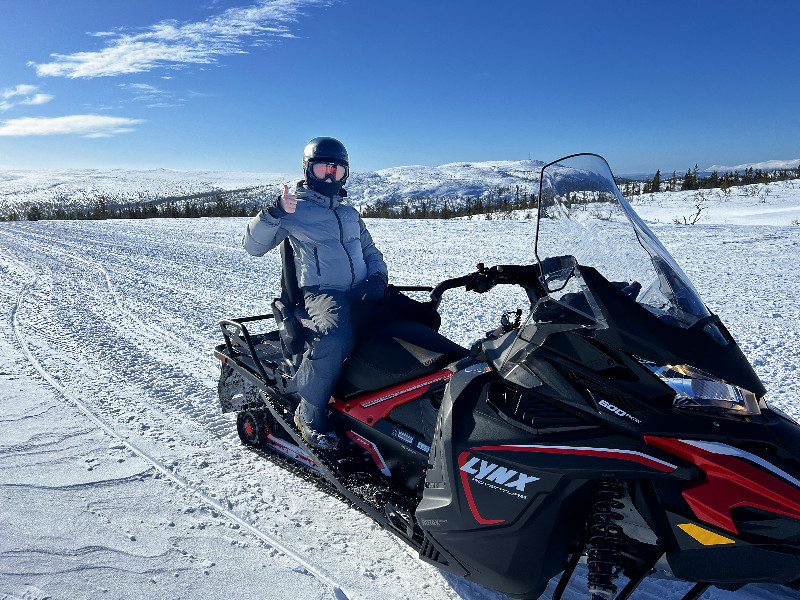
x=505 y=522
x=389 y=425
x=506 y=502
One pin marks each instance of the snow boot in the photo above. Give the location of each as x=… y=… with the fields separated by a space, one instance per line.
x=311 y=423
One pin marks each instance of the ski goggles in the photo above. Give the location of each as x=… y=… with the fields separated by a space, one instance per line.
x=327 y=170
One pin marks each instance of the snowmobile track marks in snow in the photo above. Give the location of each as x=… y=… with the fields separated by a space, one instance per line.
x=186 y=485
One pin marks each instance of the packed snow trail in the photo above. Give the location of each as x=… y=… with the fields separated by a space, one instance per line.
x=171 y=474
x=105 y=350
x=120 y=318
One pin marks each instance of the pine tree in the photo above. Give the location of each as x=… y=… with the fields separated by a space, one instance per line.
x=687 y=181
x=34 y=213
x=100 y=210
x=656 y=186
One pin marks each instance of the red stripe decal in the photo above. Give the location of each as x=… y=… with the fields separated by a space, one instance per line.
x=617 y=454
x=289 y=450
x=729 y=482
x=462 y=460
x=629 y=455
x=372 y=449
x=374 y=406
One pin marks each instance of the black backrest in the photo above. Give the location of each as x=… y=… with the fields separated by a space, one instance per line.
x=290 y=290
x=289 y=327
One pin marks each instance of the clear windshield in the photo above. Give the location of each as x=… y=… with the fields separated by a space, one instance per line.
x=584 y=219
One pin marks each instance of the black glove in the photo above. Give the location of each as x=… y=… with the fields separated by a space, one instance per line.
x=372 y=289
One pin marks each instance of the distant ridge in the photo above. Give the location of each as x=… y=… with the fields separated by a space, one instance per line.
x=82 y=188
x=769 y=165
x=450 y=181
x=407 y=185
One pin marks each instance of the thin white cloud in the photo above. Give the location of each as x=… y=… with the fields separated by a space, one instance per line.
x=144 y=91
x=20 y=90
x=152 y=96
x=86 y=125
x=22 y=94
x=175 y=45
x=37 y=99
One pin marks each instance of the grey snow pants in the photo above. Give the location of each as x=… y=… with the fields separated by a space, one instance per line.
x=333 y=342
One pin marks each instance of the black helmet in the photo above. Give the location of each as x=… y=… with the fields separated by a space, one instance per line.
x=325 y=149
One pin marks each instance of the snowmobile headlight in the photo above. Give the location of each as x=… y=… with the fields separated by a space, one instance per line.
x=696 y=389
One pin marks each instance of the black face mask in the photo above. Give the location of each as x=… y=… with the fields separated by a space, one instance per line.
x=326 y=188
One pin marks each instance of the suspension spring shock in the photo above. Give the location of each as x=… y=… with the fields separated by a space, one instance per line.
x=605 y=539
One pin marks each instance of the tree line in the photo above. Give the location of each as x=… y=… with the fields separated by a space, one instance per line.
x=101 y=210
x=692 y=181
x=498 y=201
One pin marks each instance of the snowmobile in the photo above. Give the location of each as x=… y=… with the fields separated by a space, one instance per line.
x=617 y=423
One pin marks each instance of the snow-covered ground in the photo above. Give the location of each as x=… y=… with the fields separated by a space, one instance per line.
x=776 y=203
x=120 y=479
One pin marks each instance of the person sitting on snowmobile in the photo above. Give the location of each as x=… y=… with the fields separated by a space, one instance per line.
x=337 y=265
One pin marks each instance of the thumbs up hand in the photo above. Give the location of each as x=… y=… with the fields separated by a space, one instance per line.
x=288 y=201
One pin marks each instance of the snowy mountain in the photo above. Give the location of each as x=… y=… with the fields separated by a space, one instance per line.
x=447 y=182
x=454 y=182
x=81 y=188
x=72 y=189
x=769 y=165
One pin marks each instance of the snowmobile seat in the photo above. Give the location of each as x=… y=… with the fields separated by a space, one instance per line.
x=405 y=345
x=391 y=349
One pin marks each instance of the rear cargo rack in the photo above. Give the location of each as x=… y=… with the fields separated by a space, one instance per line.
x=239 y=345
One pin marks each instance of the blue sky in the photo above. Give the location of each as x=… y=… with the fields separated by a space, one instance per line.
x=244 y=84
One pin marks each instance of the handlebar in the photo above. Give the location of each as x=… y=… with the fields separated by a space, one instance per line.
x=448 y=284
x=485 y=279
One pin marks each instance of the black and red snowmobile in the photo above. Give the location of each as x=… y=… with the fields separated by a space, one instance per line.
x=617 y=423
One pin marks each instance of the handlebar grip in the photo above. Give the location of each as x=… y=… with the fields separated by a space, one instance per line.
x=524 y=271
x=449 y=284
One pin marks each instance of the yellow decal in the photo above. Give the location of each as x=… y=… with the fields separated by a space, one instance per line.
x=704 y=536
x=426 y=357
